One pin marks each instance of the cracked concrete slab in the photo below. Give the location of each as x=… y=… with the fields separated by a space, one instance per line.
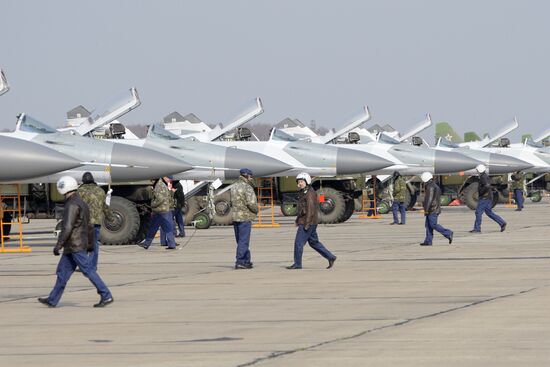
x=387 y=302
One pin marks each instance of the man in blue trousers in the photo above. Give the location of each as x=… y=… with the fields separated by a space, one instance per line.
x=76 y=239
x=432 y=209
x=485 y=201
x=306 y=220
x=517 y=186
x=244 y=208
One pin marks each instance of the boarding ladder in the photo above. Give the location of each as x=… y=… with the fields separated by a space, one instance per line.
x=265 y=194
x=15 y=209
x=365 y=203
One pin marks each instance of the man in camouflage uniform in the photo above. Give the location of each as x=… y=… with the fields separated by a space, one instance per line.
x=399 y=192
x=163 y=237
x=517 y=187
x=244 y=209
x=94 y=196
x=162 y=214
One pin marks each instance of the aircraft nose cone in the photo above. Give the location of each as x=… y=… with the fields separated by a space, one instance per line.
x=451 y=162
x=23 y=160
x=349 y=161
x=500 y=163
x=144 y=164
x=260 y=164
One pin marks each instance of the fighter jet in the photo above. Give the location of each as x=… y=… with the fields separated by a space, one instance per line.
x=250 y=111
x=406 y=158
x=495 y=161
x=23 y=160
x=108 y=162
x=316 y=159
x=209 y=161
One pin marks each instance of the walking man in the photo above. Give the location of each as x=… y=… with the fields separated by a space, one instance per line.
x=94 y=197
x=432 y=209
x=244 y=210
x=399 y=195
x=162 y=215
x=179 y=201
x=517 y=187
x=76 y=238
x=307 y=220
x=485 y=201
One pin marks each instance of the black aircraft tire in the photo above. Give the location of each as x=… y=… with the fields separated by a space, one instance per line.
x=333 y=207
x=350 y=208
x=122 y=224
x=222 y=211
x=470 y=195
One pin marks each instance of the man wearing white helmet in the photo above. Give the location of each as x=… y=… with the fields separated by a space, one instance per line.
x=485 y=201
x=76 y=239
x=432 y=209
x=307 y=220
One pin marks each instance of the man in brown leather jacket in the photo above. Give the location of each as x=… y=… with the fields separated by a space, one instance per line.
x=76 y=239
x=308 y=206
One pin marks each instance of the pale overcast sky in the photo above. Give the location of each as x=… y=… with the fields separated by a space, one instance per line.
x=475 y=64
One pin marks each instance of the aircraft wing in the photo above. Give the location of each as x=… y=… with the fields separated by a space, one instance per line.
x=242 y=118
x=110 y=112
x=4 y=86
x=356 y=121
x=421 y=126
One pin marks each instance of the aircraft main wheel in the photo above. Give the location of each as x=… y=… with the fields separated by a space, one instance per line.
x=289 y=209
x=222 y=210
x=536 y=196
x=350 y=207
x=470 y=196
x=121 y=224
x=445 y=200
x=191 y=208
x=383 y=207
x=202 y=220
x=333 y=206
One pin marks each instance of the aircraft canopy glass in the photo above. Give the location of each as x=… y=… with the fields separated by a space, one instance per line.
x=279 y=135
x=32 y=125
x=159 y=132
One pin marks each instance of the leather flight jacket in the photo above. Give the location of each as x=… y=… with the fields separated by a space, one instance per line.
x=308 y=207
x=432 y=198
x=76 y=232
x=484 y=189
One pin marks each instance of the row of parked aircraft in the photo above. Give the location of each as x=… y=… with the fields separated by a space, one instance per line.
x=35 y=152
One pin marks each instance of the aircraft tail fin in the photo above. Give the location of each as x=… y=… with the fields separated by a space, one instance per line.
x=4 y=86
x=255 y=109
x=109 y=112
x=421 y=126
x=445 y=131
x=356 y=121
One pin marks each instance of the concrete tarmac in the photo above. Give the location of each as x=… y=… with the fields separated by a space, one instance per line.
x=482 y=301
